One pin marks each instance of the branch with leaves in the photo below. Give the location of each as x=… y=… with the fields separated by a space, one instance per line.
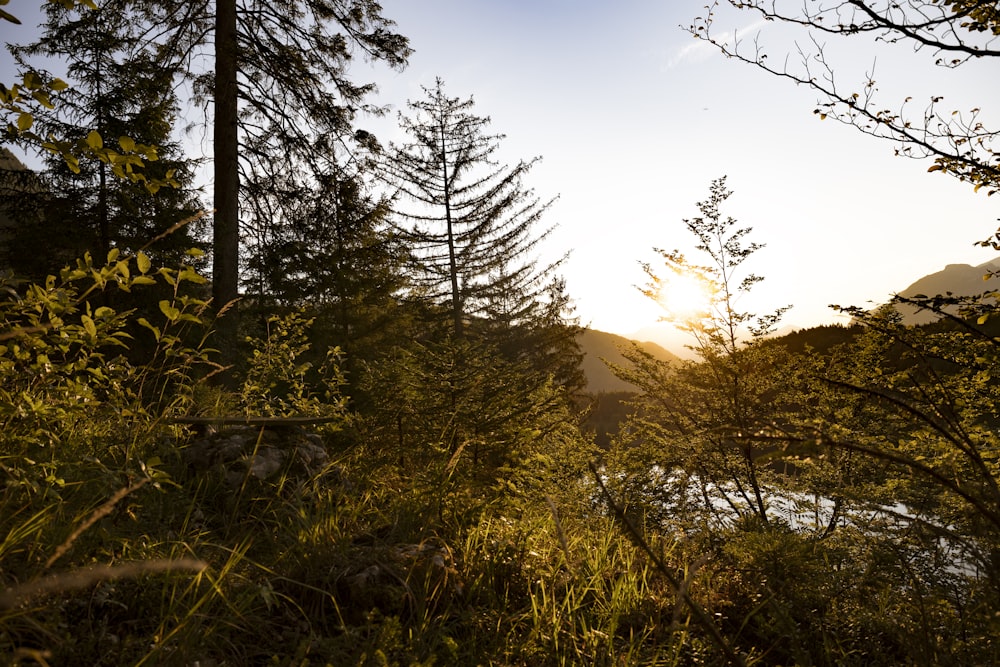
x=957 y=140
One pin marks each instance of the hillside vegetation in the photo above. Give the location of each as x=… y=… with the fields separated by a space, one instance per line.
x=367 y=437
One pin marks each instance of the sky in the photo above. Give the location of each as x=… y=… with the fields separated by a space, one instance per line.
x=633 y=119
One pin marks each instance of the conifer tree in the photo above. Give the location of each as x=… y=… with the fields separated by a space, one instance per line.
x=119 y=96
x=470 y=221
x=337 y=257
x=497 y=352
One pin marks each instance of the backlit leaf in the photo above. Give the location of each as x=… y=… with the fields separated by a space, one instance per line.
x=89 y=326
x=169 y=310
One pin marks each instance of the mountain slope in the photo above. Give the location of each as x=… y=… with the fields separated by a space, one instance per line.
x=959 y=279
x=598 y=345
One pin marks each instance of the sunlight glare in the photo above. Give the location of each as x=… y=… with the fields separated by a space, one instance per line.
x=685 y=297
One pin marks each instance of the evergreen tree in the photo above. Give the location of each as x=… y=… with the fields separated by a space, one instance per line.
x=496 y=354
x=282 y=100
x=470 y=221
x=337 y=257
x=121 y=96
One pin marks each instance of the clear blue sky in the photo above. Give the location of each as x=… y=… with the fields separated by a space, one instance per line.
x=634 y=118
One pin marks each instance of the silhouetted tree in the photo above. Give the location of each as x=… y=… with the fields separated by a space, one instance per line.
x=470 y=221
x=953 y=31
x=121 y=95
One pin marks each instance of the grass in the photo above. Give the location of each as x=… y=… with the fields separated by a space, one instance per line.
x=350 y=566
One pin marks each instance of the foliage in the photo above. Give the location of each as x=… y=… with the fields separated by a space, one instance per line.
x=821 y=499
x=23 y=100
x=280 y=383
x=826 y=491
x=468 y=221
x=954 y=32
x=120 y=91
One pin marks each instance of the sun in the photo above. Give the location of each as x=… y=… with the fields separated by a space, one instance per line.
x=685 y=297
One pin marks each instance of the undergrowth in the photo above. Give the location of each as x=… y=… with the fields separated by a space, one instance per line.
x=117 y=549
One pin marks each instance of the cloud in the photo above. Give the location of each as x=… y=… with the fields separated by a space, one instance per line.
x=699 y=50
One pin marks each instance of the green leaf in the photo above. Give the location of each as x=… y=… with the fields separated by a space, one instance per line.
x=188 y=273
x=127 y=144
x=89 y=326
x=42 y=98
x=24 y=121
x=9 y=17
x=144 y=322
x=122 y=268
x=142 y=261
x=169 y=310
x=94 y=140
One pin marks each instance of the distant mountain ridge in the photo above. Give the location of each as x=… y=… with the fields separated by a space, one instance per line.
x=958 y=279
x=599 y=345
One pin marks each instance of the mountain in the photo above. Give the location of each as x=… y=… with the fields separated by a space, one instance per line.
x=598 y=345
x=959 y=279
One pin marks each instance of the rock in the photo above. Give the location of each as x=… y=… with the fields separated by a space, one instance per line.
x=262 y=452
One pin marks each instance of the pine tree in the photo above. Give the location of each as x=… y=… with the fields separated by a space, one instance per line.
x=337 y=257
x=120 y=94
x=497 y=353
x=470 y=222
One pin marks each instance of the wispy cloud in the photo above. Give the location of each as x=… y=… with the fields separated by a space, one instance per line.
x=699 y=50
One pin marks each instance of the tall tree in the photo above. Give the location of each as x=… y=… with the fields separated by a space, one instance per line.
x=470 y=221
x=281 y=92
x=120 y=96
x=225 y=227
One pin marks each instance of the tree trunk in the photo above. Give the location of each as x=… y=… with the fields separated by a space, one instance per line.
x=456 y=297
x=226 y=239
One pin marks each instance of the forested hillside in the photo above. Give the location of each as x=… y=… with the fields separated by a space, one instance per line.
x=338 y=413
x=600 y=348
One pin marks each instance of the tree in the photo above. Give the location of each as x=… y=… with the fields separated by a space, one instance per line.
x=121 y=92
x=281 y=92
x=713 y=419
x=338 y=258
x=470 y=221
x=953 y=31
